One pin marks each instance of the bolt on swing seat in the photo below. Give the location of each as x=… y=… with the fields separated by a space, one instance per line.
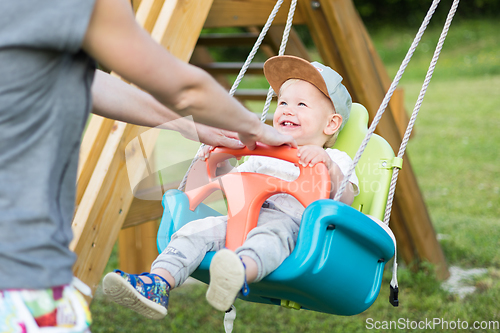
x=341 y=251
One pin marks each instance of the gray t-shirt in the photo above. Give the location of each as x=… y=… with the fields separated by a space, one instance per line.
x=45 y=82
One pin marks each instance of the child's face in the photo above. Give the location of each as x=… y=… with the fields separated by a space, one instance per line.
x=305 y=113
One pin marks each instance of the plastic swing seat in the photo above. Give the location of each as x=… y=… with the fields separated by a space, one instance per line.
x=341 y=251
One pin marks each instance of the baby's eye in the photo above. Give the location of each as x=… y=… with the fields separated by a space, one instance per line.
x=283 y=103
x=302 y=104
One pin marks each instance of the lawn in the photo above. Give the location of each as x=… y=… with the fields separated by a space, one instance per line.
x=455 y=155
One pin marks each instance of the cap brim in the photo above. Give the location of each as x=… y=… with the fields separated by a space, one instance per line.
x=279 y=69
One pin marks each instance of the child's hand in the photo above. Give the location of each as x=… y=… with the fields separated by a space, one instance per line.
x=205 y=152
x=311 y=155
x=222 y=167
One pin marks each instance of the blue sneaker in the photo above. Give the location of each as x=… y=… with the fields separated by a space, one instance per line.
x=147 y=299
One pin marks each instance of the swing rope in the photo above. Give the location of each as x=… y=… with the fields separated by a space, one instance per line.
x=247 y=63
x=409 y=128
x=418 y=104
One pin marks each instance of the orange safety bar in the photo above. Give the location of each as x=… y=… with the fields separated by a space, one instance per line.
x=247 y=191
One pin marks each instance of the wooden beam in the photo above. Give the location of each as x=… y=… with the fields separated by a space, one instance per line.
x=135 y=4
x=142 y=211
x=179 y=25
x=408 y=201
x=232 y=39
x=341 y=19
x=201 y=55
x=108 y=196
x=396 y=104
x=252 y=94
x=294 y=45
x=399 y=112
x=91 y=147
x=405 y=246
x=267 y=46
x=325 y=42
x=147 y=13
x=220 y=68
x=244 y=13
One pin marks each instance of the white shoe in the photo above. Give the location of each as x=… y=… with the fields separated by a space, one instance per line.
x=227 y=277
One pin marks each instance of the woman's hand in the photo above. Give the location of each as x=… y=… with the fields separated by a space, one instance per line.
x=267 y=135
x=217 y=137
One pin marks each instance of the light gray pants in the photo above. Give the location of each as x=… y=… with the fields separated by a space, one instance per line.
x=268 y=244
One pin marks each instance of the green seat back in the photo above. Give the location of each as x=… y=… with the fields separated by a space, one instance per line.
x=374 y=169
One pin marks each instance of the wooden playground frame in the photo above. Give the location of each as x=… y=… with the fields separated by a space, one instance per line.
x=105 y=203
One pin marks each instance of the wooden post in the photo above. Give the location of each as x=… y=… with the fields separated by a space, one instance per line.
x=92 y=145
x=135 y=4
x=399 y=112
x=137 y=247
x=147 y=13
x=137 y=244
x=294 y=45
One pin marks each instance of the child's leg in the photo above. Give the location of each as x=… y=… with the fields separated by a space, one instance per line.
x=251 y=268
x=189 y=246
x=269 y=244
x=160 y=272
x=266 y=247
x=148 y=294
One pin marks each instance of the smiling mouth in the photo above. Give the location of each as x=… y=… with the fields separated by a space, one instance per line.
x=287 y=123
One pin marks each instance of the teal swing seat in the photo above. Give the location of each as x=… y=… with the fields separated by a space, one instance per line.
x=341 y=251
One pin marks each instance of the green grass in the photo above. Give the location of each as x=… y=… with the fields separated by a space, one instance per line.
x=455 y=155
x=470 y=50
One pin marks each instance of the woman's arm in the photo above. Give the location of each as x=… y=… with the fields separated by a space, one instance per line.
x=115 y=99
x=116 y=41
